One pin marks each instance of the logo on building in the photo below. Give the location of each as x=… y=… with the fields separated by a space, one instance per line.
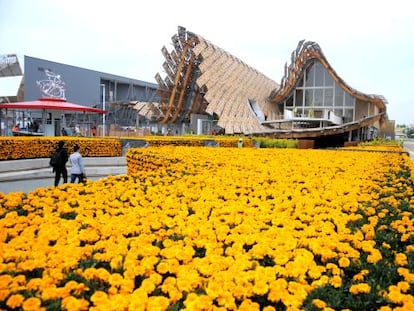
x=53 y=86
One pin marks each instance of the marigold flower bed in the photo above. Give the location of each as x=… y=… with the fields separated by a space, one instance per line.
x=217 y=229
x=24 y=147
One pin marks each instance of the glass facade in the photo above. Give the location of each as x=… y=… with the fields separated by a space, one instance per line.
x=317 y=92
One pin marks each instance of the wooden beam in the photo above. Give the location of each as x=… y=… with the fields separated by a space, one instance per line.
x=177 y=80
x=184 y=88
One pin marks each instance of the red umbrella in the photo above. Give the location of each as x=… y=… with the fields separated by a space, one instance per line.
x=51 y=104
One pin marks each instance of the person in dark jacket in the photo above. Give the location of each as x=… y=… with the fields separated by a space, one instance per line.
x=60 y=167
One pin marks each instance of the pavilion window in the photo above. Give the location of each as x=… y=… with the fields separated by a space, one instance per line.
x=299 y=98
x=310 y=79
x=349 y=115
x=328 y=97
x=339 y=96
x=319 y=74
x=349 y=100
x=309 y=101
x=318 y=99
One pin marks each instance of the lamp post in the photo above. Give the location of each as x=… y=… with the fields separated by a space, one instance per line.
x=103 y=108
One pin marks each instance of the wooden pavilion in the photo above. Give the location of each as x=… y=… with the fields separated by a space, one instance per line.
x=311 y=100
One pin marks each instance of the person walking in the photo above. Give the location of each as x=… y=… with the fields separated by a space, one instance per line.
x=77 y=170
x=240 y=143
x=59 y=168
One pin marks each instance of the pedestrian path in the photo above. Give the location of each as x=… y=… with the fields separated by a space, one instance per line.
x=29 y=174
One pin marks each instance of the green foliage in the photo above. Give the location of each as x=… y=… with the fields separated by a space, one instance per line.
x=379 y=142
x=267 y=142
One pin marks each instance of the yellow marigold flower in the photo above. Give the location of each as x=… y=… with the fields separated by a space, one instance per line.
x=260 y=288
x=360 y=276
x=116 y=262
x=248 y=305
x=158 y=303
x=99 y=297
x=32 y=304
x=408 y=276
x=361 y=288
x=52 y=292
x=315 y=272
x=15 y=301
x=213 y=289
x=385 y=308
x=318 y=303
x=344 y=262
x=103 y=274
x=401 y=259
x=323 y=280
x=394 y=294
x=226 y=300
x=375 y=256
x=148 y=286
x=73 y=304
x=138 y=300
x=386 y=245
x=403 y=286
x=163 y=267
x=115 y=279
x=156 y=278
x=191 y=301
x=336 y=281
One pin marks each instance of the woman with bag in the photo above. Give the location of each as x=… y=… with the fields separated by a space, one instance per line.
x=77 y=170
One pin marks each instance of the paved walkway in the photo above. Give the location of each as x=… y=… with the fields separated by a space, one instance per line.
x=409 y=146
x=28 y=175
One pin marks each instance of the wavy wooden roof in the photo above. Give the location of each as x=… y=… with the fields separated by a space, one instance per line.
x=304 y=53
x=203 y=78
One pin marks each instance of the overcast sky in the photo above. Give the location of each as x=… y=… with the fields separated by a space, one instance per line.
x=369 y=43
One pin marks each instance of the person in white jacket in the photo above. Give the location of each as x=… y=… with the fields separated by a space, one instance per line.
x=77 y=170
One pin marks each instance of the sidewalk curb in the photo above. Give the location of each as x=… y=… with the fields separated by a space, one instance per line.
x=27 y=169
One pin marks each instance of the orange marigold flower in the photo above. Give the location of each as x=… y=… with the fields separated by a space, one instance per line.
x=98 y=297
x=15 y=301
x=361 y=288
x=395 y=294
x=5 y=280
x=401 y=259
x=32 y=303
x=72 y=303
x=403 y=286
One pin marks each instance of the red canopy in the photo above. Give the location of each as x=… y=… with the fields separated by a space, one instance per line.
x=51 y=104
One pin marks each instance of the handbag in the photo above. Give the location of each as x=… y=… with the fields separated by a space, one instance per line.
x=82 y=178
